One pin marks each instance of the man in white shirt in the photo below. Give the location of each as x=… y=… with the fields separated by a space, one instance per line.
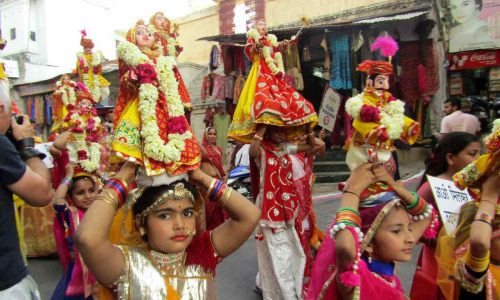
x=456 y=120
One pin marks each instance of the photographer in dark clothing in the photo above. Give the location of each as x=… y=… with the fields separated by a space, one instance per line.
x=23 y=173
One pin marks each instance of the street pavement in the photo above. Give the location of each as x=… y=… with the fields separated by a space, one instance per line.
x=236 y=274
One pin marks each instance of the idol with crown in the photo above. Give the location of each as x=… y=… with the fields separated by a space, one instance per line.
x=378 y=117
x=150 y=127
x=266 y=97
x=89 y=68
x=86 y=130
x=166 y=35
x=64 y=96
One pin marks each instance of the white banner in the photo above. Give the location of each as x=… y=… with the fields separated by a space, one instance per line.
x=449 y=199
x=329 y=108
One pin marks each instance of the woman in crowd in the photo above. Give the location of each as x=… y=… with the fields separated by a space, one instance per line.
x=73 y=197
x=211 y=164
x=170 y=259
x=368 y=236
x=453 y=152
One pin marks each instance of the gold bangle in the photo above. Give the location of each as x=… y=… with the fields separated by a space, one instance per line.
x=211 y=187
x=258 y=137
x=490 y=202
x=225 y=196
x=477 y=264
x=108 y=198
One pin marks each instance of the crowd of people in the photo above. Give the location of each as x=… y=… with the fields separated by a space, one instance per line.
x=145 y=212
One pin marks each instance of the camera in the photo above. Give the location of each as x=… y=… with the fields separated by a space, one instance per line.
x=8 y=134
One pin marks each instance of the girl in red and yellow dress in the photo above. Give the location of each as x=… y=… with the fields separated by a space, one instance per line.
x=167 y=42
x=150 y=127
x=266 y=98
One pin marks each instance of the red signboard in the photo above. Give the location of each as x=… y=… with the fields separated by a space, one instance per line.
x=473 y=59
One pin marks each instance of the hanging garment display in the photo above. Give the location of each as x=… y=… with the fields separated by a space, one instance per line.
x=219 y=91
x=238 y=87
x=341 y=62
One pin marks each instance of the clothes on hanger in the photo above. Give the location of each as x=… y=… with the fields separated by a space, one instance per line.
x=219 y=91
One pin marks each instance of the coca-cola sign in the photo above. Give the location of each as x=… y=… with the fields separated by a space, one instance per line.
x=473 y=59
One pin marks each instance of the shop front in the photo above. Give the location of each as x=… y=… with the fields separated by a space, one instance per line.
x=474 y=77
x=329 y=50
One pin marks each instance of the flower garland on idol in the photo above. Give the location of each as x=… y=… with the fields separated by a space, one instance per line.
x=275 y=63
x=84 y=147
x=391 y=116
x=67 y=92
x=94 y=64
x=148 y=73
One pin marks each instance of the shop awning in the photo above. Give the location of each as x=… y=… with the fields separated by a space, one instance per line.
x=385 y=12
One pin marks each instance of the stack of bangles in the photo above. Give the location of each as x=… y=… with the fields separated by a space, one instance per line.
x=114 y=193
x=477 y=264
x=219 y=192
x=67 y=181
x=419 y=209
x=347 y=217
x=258 y=137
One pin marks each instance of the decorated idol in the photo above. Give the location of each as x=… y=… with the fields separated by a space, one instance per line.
x=266 y=97
x=378 y=117
x=64 y=96
x=150 y=127
x=166 y=35
x=89 y=68
x=85 y=127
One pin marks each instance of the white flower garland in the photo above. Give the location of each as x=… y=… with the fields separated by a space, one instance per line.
x=391 y=115
x=353 y=105
x=154 y=146
x=93 y=152
x=67 y=92
x=94 y=87
x=275 y=64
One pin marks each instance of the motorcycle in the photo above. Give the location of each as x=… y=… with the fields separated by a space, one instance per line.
x=239 y=180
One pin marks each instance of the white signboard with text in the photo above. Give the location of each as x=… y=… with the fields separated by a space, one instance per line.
x=329 y=108
x=449 y=199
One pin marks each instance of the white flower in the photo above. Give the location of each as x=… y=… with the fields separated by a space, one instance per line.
x=353 y=106
x=154 y=146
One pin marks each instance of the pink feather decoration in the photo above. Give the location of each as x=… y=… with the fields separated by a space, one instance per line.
x=386 y=44
x=83 y=32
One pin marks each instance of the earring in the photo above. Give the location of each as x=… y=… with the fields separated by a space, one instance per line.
x=369 y=259
x=142 y=232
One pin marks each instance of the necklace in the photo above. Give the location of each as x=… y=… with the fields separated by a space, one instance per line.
x=168 y=263
x=150 y=52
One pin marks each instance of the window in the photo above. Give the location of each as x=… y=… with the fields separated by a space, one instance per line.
x=33 y=36
x=12 y=34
